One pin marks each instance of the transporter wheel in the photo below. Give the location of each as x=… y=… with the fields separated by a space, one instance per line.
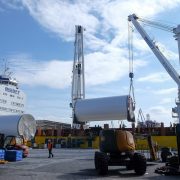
x=139 y=162
x=101 y=163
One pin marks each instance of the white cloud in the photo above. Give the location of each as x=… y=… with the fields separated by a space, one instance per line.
x=159 y=110
x=166 y=101
x=171 y=56
x=103 y=68
x=61 y=17
x=54 y=74
x=166 y=91
x=106 y=36
x=168 y=53
x=105 y=18
x=155 y=78
x=99 y=69
x=160 y=113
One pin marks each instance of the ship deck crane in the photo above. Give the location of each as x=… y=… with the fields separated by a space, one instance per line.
x=163 y=60
x=78 y=81
x=141 y=116
x=96 y=109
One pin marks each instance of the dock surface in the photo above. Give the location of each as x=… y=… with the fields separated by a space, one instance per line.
x=69 y=164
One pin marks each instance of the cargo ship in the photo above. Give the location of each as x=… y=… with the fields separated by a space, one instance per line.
x=12 y=99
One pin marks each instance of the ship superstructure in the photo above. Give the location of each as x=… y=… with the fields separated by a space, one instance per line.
x=12 y=99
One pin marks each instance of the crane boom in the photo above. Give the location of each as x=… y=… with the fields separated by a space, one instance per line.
x=168 y=67
x=163 y=60
x=78 y=82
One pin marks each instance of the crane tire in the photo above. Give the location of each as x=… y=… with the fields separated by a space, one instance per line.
x=101 y=163
x=96 y=155
x=139 y=162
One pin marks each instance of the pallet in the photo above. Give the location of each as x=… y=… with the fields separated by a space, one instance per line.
x=3 y=162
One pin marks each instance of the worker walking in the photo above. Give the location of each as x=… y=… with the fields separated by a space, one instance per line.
x=50 y=146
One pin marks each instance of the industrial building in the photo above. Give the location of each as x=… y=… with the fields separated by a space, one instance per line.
x=51 y=128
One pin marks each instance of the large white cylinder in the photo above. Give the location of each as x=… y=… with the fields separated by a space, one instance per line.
x=18 y=125
x=107 y=108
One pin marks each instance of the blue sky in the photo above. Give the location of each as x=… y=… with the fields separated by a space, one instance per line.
x=37 y=39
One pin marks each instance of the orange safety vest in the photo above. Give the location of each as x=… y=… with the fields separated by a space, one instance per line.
x=50 y=145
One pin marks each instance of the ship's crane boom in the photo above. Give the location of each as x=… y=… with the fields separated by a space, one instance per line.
x=163 y=60
x=169 y=68
x=78 y=82
x=96 y=109
x=141 y=116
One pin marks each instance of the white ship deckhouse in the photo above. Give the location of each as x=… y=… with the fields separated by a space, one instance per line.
x=12 y=99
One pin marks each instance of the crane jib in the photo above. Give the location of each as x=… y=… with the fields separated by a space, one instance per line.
x=150 y=44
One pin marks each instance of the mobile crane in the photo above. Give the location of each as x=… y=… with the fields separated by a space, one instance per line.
x=165 y=63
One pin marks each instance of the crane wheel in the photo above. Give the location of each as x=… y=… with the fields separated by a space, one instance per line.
x=101 y=163
x=139 y=162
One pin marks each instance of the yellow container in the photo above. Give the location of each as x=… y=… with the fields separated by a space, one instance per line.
x=161 y=141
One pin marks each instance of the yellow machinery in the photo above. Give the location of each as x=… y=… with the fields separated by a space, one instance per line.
x=117 y=148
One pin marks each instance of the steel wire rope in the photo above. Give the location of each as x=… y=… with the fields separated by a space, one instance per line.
x=131 y=63
x=162 y=26
x=156 y=24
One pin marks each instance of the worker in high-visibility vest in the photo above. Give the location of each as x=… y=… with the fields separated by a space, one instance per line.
x=50 y=146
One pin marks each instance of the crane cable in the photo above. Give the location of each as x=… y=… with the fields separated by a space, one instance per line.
x=157 y=24
x=131 y=59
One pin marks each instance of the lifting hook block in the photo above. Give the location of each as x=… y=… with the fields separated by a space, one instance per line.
x=131 y=75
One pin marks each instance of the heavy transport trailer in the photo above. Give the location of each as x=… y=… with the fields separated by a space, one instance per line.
x=117 y=148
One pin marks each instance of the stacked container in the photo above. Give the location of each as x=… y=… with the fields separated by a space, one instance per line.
x=13 y=155
x=2 y=154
